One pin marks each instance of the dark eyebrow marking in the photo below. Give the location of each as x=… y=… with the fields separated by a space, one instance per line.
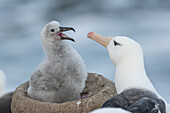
x=116 y=43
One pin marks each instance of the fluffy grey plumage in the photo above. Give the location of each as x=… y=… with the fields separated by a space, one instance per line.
x=61 y=75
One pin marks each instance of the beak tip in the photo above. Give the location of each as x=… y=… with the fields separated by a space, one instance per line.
x=73 y=29
x=89 y=35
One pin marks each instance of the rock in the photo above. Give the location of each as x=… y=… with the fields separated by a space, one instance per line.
x=102 y=89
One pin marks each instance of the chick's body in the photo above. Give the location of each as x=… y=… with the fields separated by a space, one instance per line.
x=61 y=76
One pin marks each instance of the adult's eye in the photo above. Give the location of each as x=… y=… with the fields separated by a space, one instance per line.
x=52 y=30
x=116 y=43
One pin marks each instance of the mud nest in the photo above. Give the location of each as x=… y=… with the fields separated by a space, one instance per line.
x=101 y=90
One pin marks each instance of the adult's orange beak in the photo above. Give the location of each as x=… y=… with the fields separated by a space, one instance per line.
x=100 y=39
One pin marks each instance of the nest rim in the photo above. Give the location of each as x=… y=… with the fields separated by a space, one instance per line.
x=21 y=92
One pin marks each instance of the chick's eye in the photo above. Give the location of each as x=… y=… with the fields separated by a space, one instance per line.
x=52 y=30
x=116 y=43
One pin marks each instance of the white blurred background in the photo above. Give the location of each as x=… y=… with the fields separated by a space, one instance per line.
x=146 y=21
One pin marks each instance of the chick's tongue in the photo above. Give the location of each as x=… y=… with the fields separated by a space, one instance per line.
x=61 y=34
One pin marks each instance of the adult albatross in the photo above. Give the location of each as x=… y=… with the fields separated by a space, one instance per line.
x=127 y=56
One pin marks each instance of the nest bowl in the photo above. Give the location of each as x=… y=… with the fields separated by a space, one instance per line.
x=101 y=90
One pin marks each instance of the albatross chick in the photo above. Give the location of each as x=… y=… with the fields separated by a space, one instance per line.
x=61 y=76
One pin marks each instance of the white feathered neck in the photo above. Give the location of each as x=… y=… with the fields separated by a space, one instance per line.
x=2 y=83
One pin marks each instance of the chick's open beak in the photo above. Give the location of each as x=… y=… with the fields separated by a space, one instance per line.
x=63 y=36
x=100 y=39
